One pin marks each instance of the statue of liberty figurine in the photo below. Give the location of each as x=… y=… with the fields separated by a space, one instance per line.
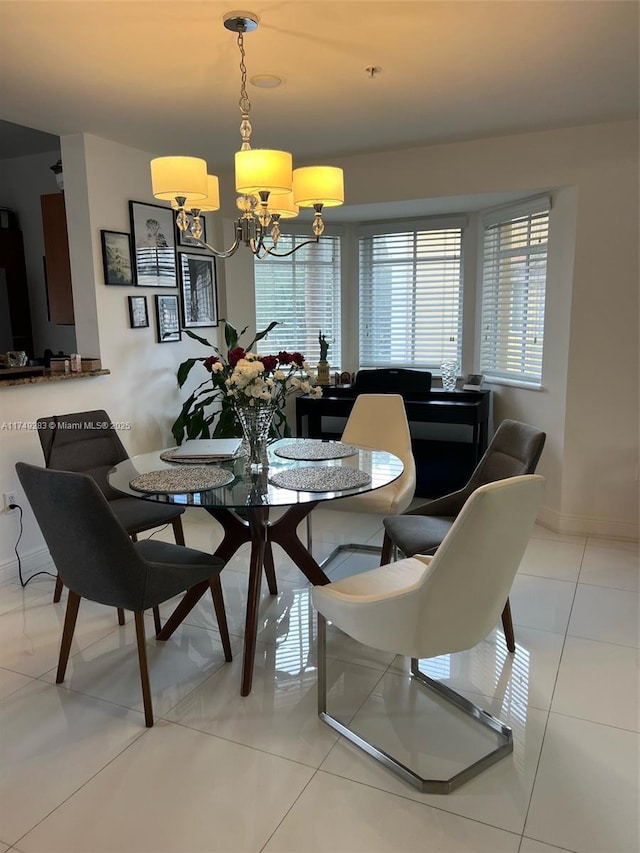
x=323 y=364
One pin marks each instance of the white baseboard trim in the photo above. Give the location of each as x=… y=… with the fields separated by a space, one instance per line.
x=36 y=561
x=581 y=525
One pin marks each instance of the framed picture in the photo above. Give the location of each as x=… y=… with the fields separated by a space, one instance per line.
x=154 y=246
x=473 y=382
x=199 y=290
x=116 y=258
x=138 y=314
x=167 y=319
x=185 y=240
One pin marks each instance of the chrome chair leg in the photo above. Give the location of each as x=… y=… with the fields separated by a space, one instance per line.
x=426 y=786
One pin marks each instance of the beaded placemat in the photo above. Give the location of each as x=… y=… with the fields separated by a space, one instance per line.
x=318 y=478
x=177 y=481
x=169 y=456
x=313 y=449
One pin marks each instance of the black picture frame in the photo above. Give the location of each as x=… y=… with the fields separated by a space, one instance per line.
x=167 y=318
x=187 y=241
x=199 y=290
x=116 y=258
x=138 y=313
x=153 y=244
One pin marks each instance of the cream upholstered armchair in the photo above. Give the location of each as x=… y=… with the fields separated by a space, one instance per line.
x=378 y=421
x=423 y=607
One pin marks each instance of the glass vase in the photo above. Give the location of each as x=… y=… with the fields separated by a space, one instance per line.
x=449 y=374
x=255 y=420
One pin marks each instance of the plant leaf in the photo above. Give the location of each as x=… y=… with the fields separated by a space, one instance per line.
x=198 y=338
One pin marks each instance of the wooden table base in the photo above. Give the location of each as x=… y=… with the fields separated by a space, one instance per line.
x=262 y=534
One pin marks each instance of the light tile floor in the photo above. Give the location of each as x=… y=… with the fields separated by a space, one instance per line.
x=219 y=773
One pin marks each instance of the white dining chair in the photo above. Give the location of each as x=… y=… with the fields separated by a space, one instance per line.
x=377 y=421
x=423 y=607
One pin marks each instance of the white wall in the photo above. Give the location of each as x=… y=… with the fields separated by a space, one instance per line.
x=23 y=181
x=589 y=405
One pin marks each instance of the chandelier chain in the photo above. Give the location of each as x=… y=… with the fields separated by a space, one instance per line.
x=244 y=102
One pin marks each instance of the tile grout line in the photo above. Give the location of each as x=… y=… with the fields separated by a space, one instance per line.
x=555 y=682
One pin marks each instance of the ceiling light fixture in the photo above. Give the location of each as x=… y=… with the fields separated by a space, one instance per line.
x=270 y=189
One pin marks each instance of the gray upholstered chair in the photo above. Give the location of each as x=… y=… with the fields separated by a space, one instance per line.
x=424 y=607
x=97 y=560
x=86 y=442
x=514 y=450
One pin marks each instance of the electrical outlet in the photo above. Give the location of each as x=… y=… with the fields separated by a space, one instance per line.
x=9 y=498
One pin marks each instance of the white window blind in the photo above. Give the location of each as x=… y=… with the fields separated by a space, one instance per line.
x=513 y=293
x=301 y=292
x=411 y=296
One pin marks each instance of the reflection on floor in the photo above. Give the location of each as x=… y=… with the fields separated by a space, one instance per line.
x=79 y=771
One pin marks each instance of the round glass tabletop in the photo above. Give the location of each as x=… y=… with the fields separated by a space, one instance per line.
x=372 y=468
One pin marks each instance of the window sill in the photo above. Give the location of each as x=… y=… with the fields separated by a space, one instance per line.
x=514 y=383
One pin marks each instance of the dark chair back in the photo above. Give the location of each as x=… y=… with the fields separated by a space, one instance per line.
x=91 y=550
x=514 y=450
x=85 y=442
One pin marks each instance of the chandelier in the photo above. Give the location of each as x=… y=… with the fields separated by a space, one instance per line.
x=269 y=188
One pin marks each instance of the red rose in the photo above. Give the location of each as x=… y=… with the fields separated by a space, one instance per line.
x=209 y=362
x=297 y=358
x=235 y=355
x=270 y=362
x=284 y=357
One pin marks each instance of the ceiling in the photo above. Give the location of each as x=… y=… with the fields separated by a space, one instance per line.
x=164 y=77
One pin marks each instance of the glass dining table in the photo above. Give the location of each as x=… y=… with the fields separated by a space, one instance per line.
x=298 y=474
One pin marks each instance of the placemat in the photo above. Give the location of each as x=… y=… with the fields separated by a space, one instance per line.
x=318 y=478
x=314 y=449
x=169 y=456
x=177 y=481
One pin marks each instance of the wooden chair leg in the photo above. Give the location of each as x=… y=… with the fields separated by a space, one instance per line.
x=58 y=590
x=71 y=614
x=387 y=550
x=270 y=569
x=221 y=615
x=157 y=624
x=120 y=616
x=507 y=625
x=144 y=671
x=178 y=531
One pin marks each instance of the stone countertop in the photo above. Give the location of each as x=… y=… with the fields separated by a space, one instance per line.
x=49 y=377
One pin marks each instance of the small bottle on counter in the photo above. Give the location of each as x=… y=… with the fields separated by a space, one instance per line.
x=67 y=366
x=76 y=362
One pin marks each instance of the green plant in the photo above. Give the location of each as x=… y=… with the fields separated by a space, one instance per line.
x=239 y=378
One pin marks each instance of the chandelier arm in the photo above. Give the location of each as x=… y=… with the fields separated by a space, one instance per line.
x=291 y=251
x=222 y=255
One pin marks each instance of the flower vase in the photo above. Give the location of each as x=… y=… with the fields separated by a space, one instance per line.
x=255 y=420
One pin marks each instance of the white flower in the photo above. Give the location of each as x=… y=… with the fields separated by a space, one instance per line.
x=279 y=375
x=218 y=367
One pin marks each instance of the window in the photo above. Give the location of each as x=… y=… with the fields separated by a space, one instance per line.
x=411 y=294
x=513 y=292
x=301 y=292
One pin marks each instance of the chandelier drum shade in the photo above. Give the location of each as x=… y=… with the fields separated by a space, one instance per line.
x=269 y=188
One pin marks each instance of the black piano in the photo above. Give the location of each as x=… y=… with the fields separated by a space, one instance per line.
x=445 y=455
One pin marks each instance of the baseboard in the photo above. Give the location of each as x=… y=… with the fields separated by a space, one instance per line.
x=581 y=525
x=36 y=561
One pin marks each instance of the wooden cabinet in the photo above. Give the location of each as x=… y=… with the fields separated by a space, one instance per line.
x=56 y=250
